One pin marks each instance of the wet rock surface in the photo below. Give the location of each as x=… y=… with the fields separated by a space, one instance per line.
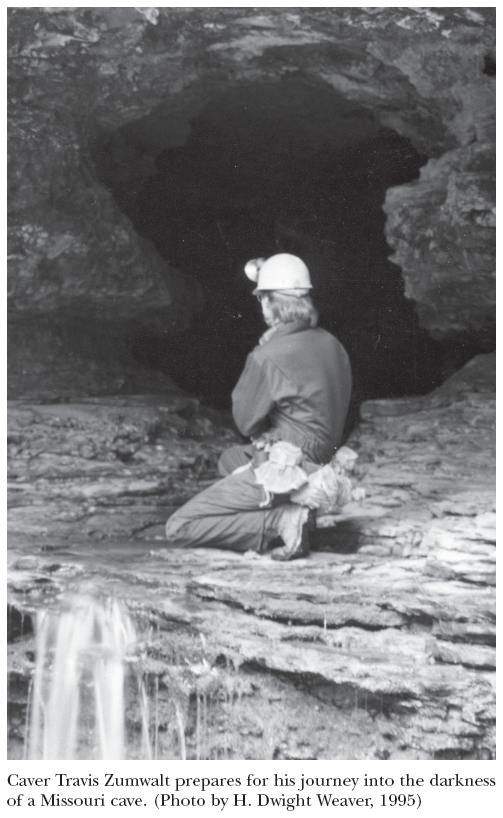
x=379 y=645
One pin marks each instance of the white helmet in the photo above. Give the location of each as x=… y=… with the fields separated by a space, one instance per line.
x=280 y=272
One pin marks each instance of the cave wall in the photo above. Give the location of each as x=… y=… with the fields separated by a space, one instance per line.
x=443 y=230
x=78 y=73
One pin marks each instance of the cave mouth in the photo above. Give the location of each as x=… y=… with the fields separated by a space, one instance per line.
x=284 y=166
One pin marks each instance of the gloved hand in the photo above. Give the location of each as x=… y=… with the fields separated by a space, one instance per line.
x=324 y=490
x=282 y=472
x=344 y=460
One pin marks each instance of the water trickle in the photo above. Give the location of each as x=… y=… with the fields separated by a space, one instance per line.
x=181 y=731
x=77 y=702
x=156 y=718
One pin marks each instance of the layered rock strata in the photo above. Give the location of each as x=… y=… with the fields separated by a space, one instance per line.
x=380 y=645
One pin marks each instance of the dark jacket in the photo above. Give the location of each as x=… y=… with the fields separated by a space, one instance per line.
x=297 y=386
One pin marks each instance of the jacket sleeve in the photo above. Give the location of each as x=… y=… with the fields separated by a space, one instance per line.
x=251 y=398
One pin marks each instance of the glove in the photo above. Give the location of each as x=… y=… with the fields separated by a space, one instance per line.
x=282 y=472
x=344 y=460
x=324 y=490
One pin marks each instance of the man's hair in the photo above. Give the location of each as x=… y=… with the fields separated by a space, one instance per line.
x=288 y=308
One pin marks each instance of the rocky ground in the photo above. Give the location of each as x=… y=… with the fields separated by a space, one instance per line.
x=379 y=645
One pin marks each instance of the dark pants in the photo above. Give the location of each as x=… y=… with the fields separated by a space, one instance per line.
x=234 y=457
x=234 y=513
x=227 y=515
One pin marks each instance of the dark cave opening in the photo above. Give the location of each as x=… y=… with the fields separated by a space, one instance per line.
x=293 y=167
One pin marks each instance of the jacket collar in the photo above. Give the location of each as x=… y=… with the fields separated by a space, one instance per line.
x=290 y=328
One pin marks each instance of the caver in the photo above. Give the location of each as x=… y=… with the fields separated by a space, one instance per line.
x=291 y=401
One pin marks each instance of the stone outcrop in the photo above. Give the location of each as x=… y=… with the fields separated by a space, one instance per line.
x=380 y=645
x=443 y=229
x=78 y=73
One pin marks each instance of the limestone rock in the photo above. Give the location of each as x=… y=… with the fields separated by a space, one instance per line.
x=391 y=619
x=76 y=74
x=442 y=230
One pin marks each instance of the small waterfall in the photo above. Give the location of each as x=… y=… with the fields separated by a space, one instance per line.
x=93 y=667
x=77 y=704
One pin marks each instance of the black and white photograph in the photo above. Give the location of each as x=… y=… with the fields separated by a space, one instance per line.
x=251 y=404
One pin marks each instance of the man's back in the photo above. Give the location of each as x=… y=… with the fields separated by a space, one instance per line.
x=300 y=379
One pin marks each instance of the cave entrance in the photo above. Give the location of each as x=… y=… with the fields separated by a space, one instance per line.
x=285 y=166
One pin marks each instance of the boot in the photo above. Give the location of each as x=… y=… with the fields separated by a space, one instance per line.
x=291 y=522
